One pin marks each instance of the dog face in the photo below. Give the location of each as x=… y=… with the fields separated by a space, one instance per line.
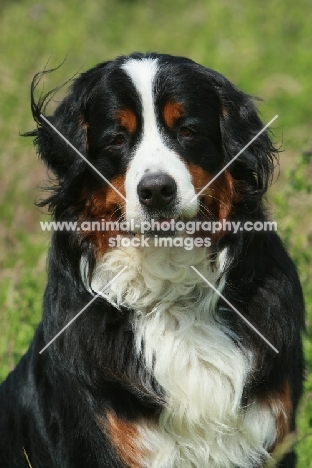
x=161 y=135
x=159 y=128
x=178 y=129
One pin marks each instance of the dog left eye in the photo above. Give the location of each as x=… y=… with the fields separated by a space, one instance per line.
x=119 y=139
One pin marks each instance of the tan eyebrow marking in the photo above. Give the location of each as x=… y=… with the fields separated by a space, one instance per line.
x=126 y=118
x=172 y=112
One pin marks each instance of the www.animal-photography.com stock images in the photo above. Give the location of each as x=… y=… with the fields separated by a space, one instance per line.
x=156 y=233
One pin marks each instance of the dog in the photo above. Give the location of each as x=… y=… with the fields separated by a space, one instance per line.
x=141 y=359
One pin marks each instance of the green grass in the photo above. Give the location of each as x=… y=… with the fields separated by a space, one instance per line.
x=263 y=47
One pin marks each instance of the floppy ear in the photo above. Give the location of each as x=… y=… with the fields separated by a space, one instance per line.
x=239 y=124
x=68 y=119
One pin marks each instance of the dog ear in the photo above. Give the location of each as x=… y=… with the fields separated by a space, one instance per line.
x=68 y=118
x=239 y=124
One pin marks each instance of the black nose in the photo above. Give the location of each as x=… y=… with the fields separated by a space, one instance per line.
x=157 y=190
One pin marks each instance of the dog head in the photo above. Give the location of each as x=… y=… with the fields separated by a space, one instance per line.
x=160 y=129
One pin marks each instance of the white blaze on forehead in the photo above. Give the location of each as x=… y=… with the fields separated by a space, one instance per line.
x=142 y=74
x=152 y=155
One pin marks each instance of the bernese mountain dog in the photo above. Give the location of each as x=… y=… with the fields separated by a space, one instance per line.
x=140 y=360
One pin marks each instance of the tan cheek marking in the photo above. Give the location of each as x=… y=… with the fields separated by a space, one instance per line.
x=228 y=194
x=219 y=196
x=124 y=438
x=172 y=112
x=126 y=118
x=281 y=405
x=103 y=204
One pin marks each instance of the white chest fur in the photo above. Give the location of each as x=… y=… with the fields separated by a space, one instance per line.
x=193 y=357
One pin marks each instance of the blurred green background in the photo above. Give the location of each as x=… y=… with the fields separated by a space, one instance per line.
x=264 y=47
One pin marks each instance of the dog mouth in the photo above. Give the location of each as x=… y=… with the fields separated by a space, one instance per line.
x=165 y=226
x=162 y=227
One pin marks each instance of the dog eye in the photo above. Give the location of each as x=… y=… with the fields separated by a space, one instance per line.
x=119 y=139
x=187 y=132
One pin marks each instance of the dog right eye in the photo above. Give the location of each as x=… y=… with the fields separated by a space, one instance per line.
x=186 y=132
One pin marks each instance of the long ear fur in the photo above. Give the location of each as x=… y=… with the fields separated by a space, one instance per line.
x=251 y=173
x=239 y=123
x=70 y=120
